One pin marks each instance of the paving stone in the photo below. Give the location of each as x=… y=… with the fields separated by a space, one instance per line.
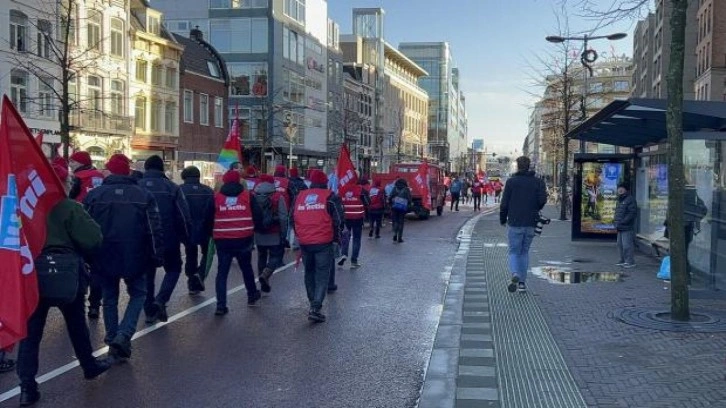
x=476 y=353
x=448 y=336
x=482 y=371
x=443 y=363
x=477 y=361
x=467 y=381
x=489 y=394
x=438 y=393
x=476 y=337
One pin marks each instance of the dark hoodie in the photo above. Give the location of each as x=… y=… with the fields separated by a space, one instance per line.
x=234 y=244
x=200 y=199
x=296 y=185
x=275 y=238
x=400 y=189
x=524 y=197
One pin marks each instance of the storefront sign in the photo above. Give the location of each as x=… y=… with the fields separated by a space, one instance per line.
x=599 y=196
x=315 y=65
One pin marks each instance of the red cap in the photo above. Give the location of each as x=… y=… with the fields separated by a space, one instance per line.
x=231 y=176
x=119 y=164
x=294 y=172
x=318 y=177
x=251 y=171
x=280 y=171
x=266 y=178
x=81 y=157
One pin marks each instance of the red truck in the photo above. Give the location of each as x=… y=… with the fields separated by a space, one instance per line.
x=408 y=171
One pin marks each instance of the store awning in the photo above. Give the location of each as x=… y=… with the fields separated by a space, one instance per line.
x=640 y=122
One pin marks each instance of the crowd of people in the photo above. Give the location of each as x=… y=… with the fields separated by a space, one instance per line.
x=123 y=224
x=475 y=190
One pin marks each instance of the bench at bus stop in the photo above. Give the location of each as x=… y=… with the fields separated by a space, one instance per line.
x=660 y=244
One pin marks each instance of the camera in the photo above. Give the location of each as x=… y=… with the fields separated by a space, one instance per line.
x=541 y=222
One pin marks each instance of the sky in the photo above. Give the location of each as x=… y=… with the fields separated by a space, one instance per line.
x=495 y=44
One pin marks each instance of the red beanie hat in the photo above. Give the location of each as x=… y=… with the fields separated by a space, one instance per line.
x=318 y=177
x=231 y=176
x=280 y=171
x=266 y=178
x=119 y=164
x=61 y=172
x=251 y=171
x=294 y=172
x=81 y=157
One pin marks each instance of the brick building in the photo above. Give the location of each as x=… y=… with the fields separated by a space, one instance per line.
x=203 y=113
x=711 y=64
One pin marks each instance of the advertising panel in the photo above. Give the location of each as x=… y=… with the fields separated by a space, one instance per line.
x=599 y=196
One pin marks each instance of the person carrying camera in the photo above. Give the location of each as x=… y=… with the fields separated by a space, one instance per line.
x=524 y=196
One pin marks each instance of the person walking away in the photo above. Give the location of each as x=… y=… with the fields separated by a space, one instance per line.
x=355 y=202
x=465 y=191
x=271 y=215
x=626 y=211
x=85 y=178
x=488 y=191
x=250 y=178
x=497 y=191
x=317 y=218
x=476 y=191
x=376 y=208
x=70 y=231
x=296 y=184
x=456 y=187
x=176 y=224
x=200 y=199
x=282 y=184
x=365 y=184
x=524 y=197
x=233 y=234
x=400 y=201
x=132 y=239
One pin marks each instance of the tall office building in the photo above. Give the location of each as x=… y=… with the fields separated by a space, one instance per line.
x=710 y=25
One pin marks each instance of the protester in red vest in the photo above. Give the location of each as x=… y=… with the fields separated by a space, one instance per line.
x=85 y=176
x=355 y=203
x=476 y=191
x=488 y=190
x=250 y=177
x=270 y=209
x=282 y=184
x=233 y=233
x=376 y=208
x=317 y=216
x=498 y=186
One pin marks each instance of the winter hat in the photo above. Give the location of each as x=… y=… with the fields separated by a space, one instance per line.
x=280 y=171
x=251 y=171
x=61 y=172
x=119 y=164
x=318 y=177
x=154 y=163
x=81 y=157
x=231 y=176
x=294 y=172
x=266 y=178
x=59 y=161
x=191 y=172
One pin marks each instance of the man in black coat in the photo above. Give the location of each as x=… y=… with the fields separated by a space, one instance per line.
x=626 y=212
x=200 y=199
x=175 y=222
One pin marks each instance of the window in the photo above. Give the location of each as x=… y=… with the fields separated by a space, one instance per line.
x=117 y=37
x=140 y=118
x=45 y=36
x=248 y=78
x=295 y=9
x=153 y=26
x=93 y=30
x=621 y=86
x=294 y=88
x=236 y=4
x=68 y=23
x=213 y=69
x=188 y=106
x=218 y=112
x=170 y=117
x=117 y=97
x=18 y=31
x=243 y=35
x=293 y=46
x=171 y=78
x=156 y=74
x=141 y=66
x=45 y=96
x=204 y=109
x=156 y=115
x=94 y=96
x=73 y=89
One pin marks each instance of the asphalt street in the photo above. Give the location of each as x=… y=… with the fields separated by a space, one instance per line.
x=372 y=351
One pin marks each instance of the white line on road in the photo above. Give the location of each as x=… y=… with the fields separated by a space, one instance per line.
x=103 y=350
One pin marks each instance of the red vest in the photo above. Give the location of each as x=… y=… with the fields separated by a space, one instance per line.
x=233 y=216
x=498 y=186
x=90 y=179
x=378 y=196
x=352 y=204
x=281 y=185
x=313 y=223
x=477 y=189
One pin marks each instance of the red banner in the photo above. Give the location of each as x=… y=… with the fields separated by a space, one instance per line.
x=422 y=180
x=345 y=170
x=29 y=189
x=39 y=138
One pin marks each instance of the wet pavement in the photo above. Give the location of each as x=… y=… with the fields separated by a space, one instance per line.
x=372 y=351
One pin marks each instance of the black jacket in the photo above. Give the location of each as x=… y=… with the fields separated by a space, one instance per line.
x=295 y=187
x=200 y=199
x=524 y=197
x=173 y=207
x=235 y=244
x=402 y=190
x=626 y=211
x=131 y=226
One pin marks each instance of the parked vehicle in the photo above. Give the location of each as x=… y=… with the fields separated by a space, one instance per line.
x=408 y=171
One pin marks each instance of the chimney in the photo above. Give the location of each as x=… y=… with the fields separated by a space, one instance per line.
x=196 y=34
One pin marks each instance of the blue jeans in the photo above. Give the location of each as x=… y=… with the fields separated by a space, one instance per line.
x=318 y=260
x=172 y=269
x=356 y=229
x=224 y=259
x=136 y=288
x=520 y=239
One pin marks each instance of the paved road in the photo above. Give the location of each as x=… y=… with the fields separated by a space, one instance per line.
x=372 y=352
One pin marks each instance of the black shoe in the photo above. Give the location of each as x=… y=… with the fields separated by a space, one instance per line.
x=332 y=288
x=512 y=287
x=315 y=316
x=264 y=280
x=120 y=347
x=370 y=234
x=152 y=313
x=378 y=236
x=341 y=260
x=99 y=367
x=29 y=396
x=395 y=238
x=221 y=311
x=400 y=240
x=94 y=312
x=162 y=315
x=195 y=285
x=252 y=300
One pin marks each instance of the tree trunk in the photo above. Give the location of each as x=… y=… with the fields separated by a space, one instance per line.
x=676 y=176
x=65 y=113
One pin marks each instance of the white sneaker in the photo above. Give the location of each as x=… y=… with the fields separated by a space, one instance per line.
x=341 y=260
x=621 y=264
x=629 y=266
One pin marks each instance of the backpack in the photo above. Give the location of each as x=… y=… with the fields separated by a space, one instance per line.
x=376 y=198
x=266 y=215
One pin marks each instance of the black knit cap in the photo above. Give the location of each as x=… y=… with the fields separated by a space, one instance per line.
x=154 y=163
x=191 y=172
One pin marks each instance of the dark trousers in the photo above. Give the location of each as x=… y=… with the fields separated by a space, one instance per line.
x=73 y=314
x=317 y=260
x=172 y=268
x=455 y=200
x=477 y=202
x=194 y=264
x=376 y=221
x=356 y=229
x=224 y=263
x=398 y=218
x=269 y=256
x=95 y=292
x=136 y=288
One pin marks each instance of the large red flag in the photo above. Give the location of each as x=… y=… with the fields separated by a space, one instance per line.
x=39 y=138
x=345 y=170
x=422 y=180
x=29 y=189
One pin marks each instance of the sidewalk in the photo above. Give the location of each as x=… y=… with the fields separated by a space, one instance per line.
x=559 y=345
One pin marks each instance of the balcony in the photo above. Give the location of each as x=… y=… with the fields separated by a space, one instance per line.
x=100 y=122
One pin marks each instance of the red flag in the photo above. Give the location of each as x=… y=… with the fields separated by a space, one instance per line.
x=30 y=189
x=422 y=181
x=39 y=138
x=232 y=150
x=345 y=170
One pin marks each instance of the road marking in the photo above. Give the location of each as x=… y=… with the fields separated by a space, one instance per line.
x=103 y=350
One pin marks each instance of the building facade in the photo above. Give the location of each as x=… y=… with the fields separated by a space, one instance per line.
x=335 y=97
x=643 y=48
x=711 y=41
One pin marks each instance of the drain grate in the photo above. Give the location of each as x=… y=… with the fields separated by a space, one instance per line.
x=659 y=319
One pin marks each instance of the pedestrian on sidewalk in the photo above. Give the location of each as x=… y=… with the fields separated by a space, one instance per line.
x=524 y=197
x=626 y=211
x=400 y=203
x=497 y=190
x=72 y=232
x=282 y=184
x=132 y=240
x=297 y=184
x=270 y=210
x=318 y=217
x=176 y=224
x=476 y=191
x=376 y=208
x=488 y=191
x=355 y=203
x=465 y=185
x=456 y=187
x=200 y=199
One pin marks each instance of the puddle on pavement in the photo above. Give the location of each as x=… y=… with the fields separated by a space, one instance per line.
x=559 y=274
